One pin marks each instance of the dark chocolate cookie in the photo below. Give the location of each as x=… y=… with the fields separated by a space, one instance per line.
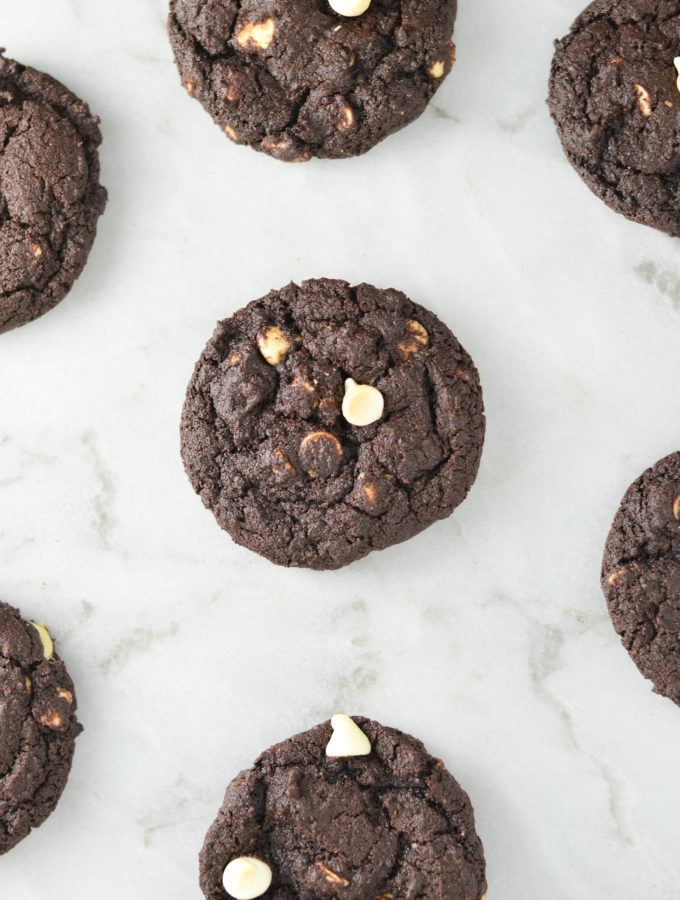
x=38 y=726
x=616 y=102
x=324 y=421
x=641 y=574
x=368 y=823
x=295 y=79
x=50 y=196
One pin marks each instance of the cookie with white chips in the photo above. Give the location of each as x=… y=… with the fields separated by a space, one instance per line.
x=38 y=726
x=303 y=78
x=325 y=421
x=349 y=809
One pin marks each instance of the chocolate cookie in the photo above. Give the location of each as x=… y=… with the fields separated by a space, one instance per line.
x=38 y=726
x=324 y=421
x=641 y=574
x=50 y=196
x=296 y=79
x=615 y=98
x=378 y=818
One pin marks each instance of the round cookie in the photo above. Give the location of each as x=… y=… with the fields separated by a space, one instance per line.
x=295 y=79
x=641 y=574
x=615 y=99
x=267 y=443
x=50 y=196
x=390 y=823
x=38 y=726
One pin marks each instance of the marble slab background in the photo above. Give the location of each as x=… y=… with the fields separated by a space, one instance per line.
x=487 y=636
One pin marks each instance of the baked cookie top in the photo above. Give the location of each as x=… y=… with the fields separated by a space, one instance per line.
x=389 y=822
x=641 y=574
x=615 y=99
x=50 y=196
x=38 y=726
x=295 y=79
x=324 y=421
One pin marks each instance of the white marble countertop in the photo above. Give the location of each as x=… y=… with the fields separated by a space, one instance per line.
x=487 y=636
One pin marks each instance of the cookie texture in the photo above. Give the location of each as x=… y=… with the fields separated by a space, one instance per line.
x=616 y=103
x=394 y=823
x=38 y=727
x=296 y=80
x=641 y=574
x=266 y=445
x=50 y=196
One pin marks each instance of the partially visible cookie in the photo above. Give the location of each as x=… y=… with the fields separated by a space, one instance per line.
x=38 y=726
x=297 y=79
x=641 y=574
x=378 y=819
x=324 y=421
x=615 y=99
x=50 y=196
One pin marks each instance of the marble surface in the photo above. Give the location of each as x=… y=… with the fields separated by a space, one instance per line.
x=487 y=636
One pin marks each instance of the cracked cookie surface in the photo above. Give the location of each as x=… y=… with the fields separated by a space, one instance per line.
x=393 y=823
x=50 y=196
x=266 y=445
x=616 y=103
x=38 y=727
x=294 y=79
x=641 y=574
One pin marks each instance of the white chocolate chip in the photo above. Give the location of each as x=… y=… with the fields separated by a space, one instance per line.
x=438 y=67
x=273 y=344
x=347 y=121
x=644 y=100
x=362 y=404
x=272 y=144
x=416 y=340
x=349 y=7
x=321 y=454
x=614 y=577
x=284 y=148
x=283 y=465
x=304 y=384
x=369 y=491
x=261 y=34
x=45 y=640
x=246 y=878
x=348 y=739
x=51 y=719
x=333 y=877
x=676 y=63
x=676 y=508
